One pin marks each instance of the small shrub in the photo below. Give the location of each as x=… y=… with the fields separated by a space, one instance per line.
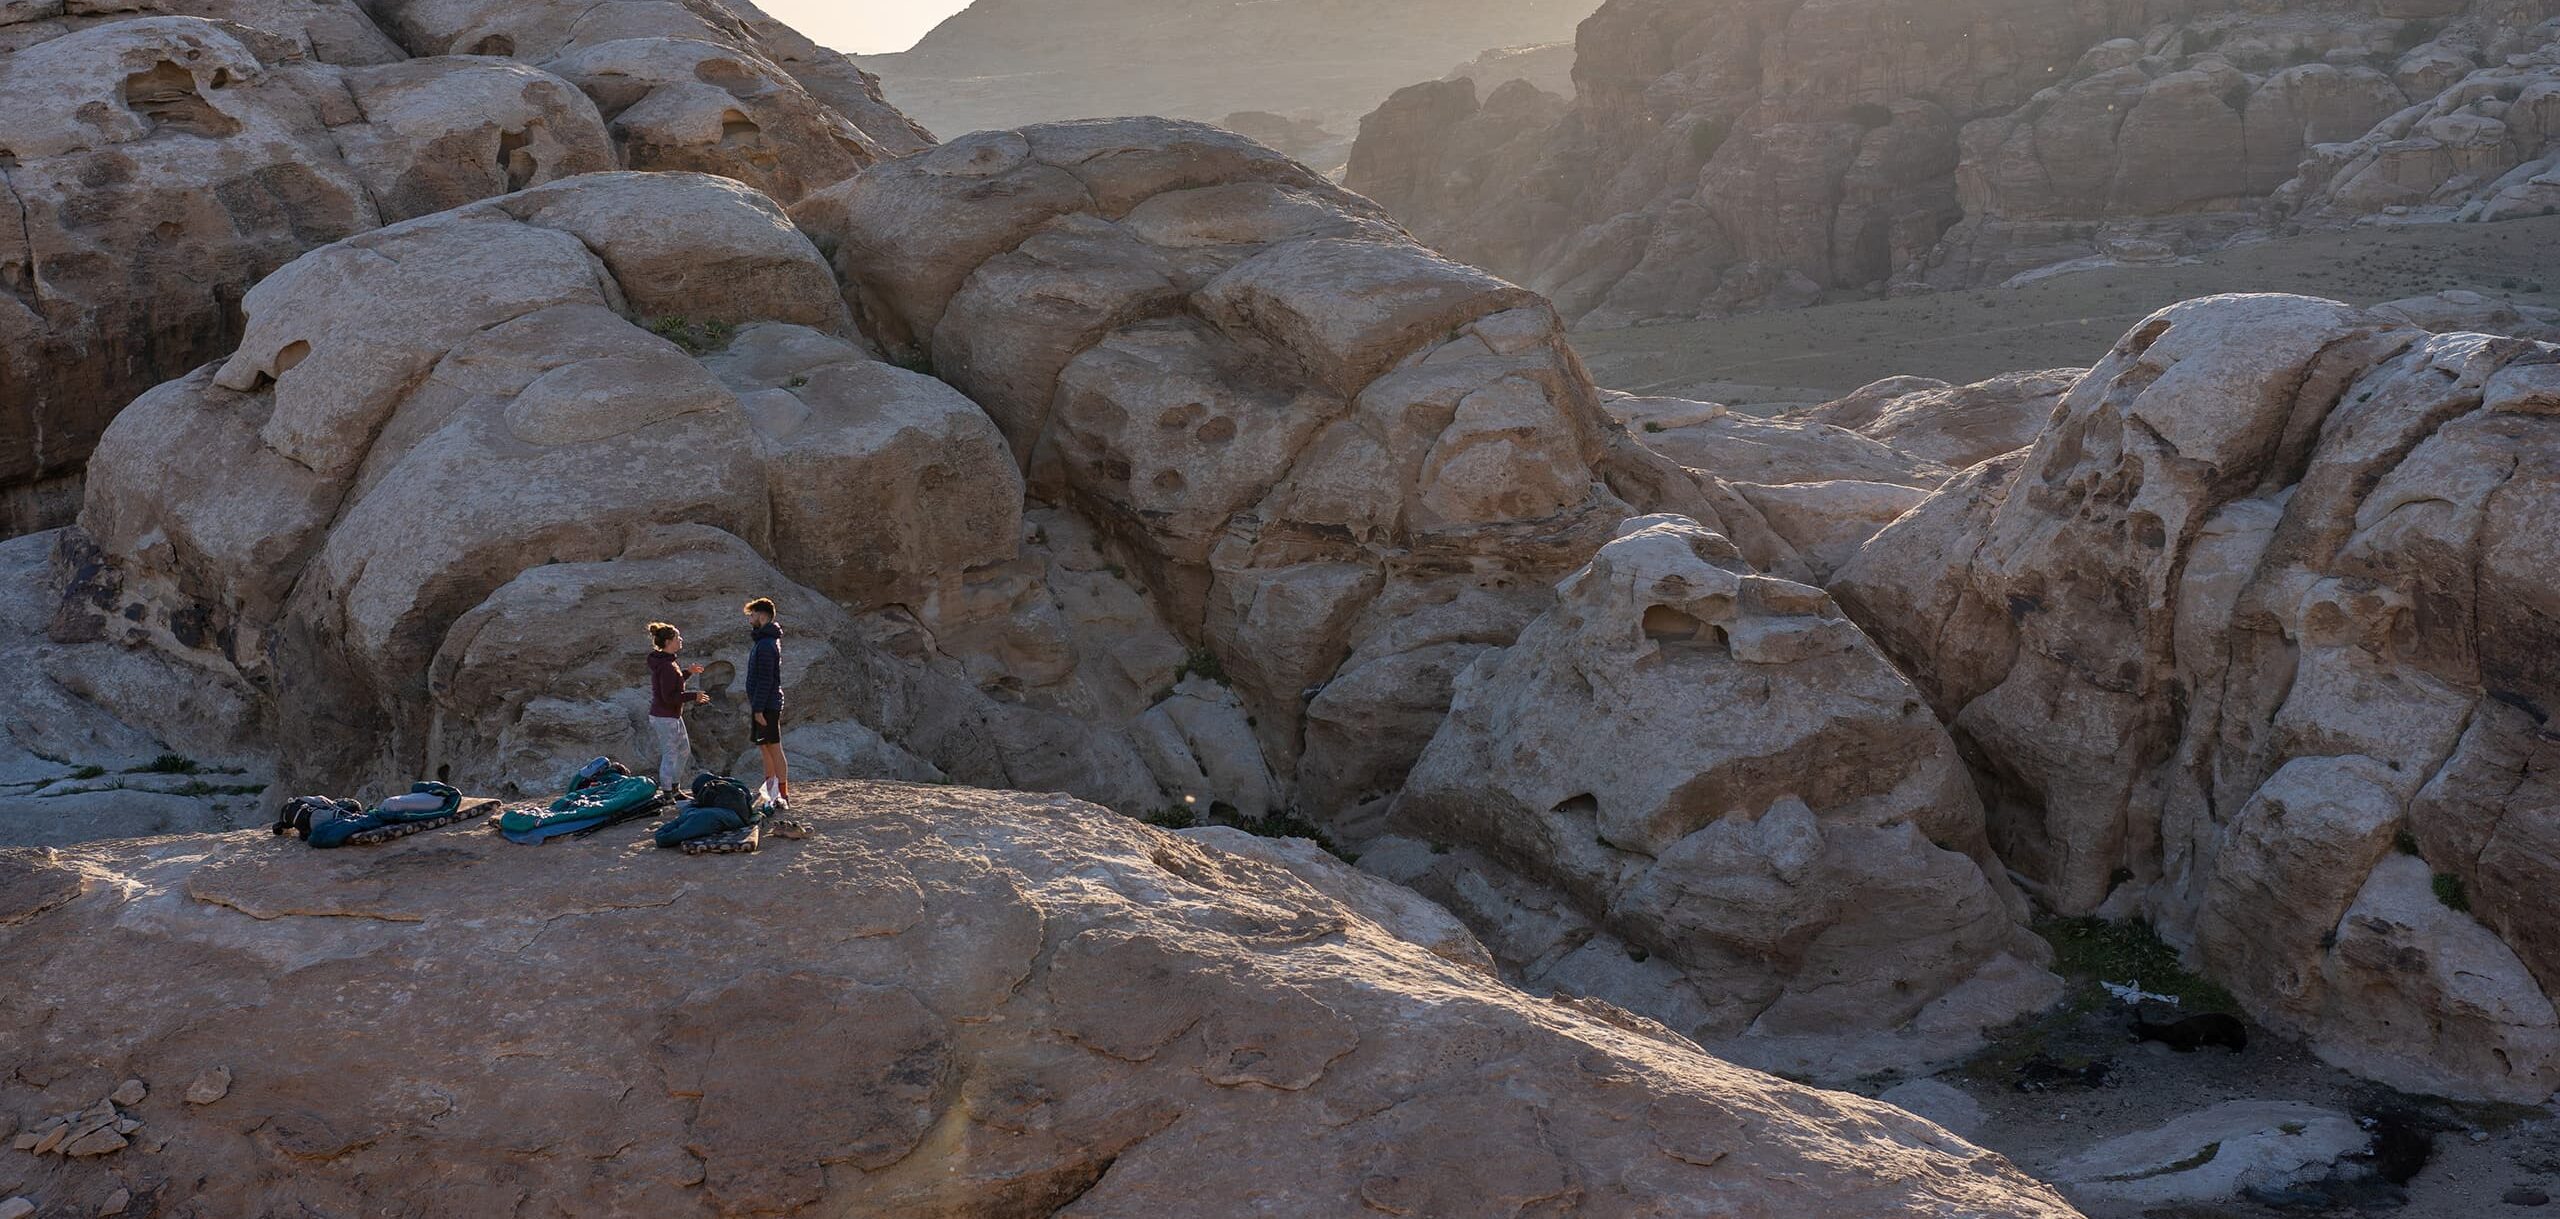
x=1706 y=137
x=916 y=361
x=798 y=382
x=167 y=764
x=2450 y=891
x=88 y=772
x=2415 y=34
x=1653 y=426
x=697 y=338
x=1172 y=817
x=2405 y=842
x=1203 y=662
x=1871 y=115
x=1290 y=825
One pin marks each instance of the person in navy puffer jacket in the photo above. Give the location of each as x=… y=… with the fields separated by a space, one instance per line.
x=764 y=698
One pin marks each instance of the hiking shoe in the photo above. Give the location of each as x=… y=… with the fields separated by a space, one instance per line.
x=787 y=828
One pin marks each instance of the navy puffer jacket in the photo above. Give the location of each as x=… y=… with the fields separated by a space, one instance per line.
x=764 y=669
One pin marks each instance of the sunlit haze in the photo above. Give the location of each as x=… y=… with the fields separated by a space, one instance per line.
x=864 y=27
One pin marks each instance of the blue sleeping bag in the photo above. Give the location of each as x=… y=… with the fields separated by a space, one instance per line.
x=337 y=830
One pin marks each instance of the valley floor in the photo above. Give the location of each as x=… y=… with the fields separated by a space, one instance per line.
x=2062 y=321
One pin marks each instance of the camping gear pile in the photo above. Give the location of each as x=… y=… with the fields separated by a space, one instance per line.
x=326 y=822
x=722 y=815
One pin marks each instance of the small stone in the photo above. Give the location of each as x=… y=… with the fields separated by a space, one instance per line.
x=209 y=1085
x=130 y=1093
x=48 y=1124
x=16 y=1208
x=128 y=1125
x=52 y=1139
x=2479 y=1136
x=27 y=1141
x=2526 y=1195
x=116 y=1203
x=95 y=1143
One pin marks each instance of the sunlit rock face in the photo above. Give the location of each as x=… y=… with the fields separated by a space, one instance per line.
x=162 y=157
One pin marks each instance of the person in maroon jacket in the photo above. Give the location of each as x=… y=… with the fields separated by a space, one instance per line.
x=667 y=702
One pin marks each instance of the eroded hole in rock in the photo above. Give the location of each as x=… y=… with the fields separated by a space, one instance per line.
x=2141 y=340
x=166 y=94
x=1168 y=480
x=1216 y=431
x=735 y=127
x=727 y=74
x=1662 y=623
x=516 y=159
x=494 y=44
x=1175 y=418
x=293 y=353
x=167 y=230
x=1584 y=805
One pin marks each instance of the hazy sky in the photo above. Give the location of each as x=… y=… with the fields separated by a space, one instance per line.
x=863 y=26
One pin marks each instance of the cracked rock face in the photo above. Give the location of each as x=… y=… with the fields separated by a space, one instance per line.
x=1749 y=825
x=945 y=1002
x=162 y=157
x=1339 y=462
x=2257 y=641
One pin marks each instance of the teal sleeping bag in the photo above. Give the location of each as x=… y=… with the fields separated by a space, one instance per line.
x=586 y=804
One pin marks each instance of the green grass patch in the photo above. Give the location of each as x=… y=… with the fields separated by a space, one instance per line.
x=87 y=772
x=2087 y=951
x=168 y=764
x=2450 y=891
x=198 y=787
x=1203 y=662
x=697 y=338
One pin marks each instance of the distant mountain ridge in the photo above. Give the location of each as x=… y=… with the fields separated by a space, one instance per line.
x=1001 y=63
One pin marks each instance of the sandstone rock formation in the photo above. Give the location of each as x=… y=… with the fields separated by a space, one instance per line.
x=1742 y=821
x=2256 y=642
x=457 y=472
x=163 y=156
x=1723 y=155
x=1340 y=464
x=946 y=1002
x=1007 y=63
x=2480 y=141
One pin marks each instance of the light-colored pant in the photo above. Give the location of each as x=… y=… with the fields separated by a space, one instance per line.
x=675 y=751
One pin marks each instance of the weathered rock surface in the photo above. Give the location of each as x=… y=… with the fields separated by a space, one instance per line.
x=2257 y=642
x=2214 y=1155
x=163 y=156
x=1754 y=828
x=946 y=1002
x=1339 y=463
x=456 y=477
x=1724 y=155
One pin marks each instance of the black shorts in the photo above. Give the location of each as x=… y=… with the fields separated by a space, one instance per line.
x=764 y=727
